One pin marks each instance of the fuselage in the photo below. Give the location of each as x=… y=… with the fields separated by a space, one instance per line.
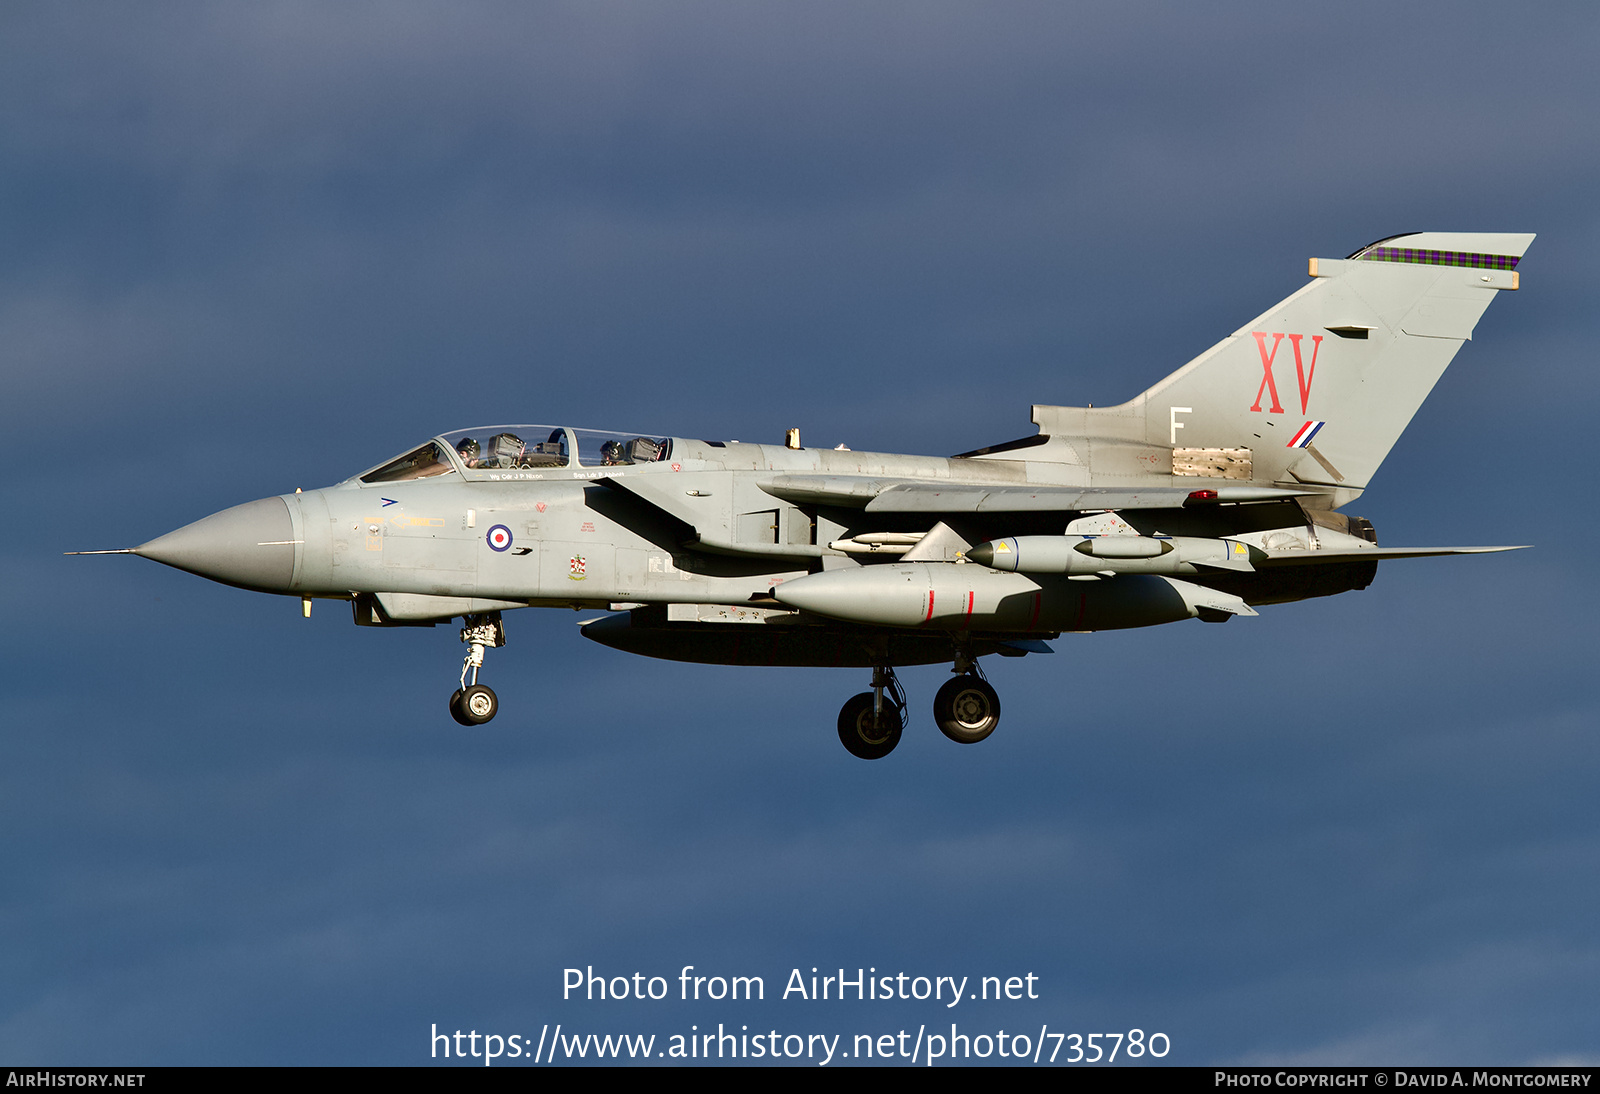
x=694 y=526
x=459 y=526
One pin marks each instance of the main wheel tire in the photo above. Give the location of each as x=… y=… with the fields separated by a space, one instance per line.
x=858 y=733
x=455 y=709
x=967 y=709
x=478 y=705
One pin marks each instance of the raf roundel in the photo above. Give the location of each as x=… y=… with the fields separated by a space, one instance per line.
x=499 y=538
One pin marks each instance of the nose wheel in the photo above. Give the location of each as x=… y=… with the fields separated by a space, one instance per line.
x=473 y=703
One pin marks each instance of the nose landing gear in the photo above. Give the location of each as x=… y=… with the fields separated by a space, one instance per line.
x=473 y=704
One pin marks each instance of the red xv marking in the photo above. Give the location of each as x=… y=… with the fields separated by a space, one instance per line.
x=1266 y=369
x=1304 y=377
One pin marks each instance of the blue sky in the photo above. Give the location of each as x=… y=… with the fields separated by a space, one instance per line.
x=250 y=248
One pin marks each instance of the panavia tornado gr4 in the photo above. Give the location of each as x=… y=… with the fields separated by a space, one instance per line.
x=1215 y=492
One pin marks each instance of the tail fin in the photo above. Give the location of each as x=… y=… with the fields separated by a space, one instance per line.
x=1318 y=389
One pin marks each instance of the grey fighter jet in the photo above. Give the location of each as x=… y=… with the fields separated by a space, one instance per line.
x=1215 y=492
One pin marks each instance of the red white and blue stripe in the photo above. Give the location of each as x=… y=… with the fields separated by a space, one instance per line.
x=1303 y=437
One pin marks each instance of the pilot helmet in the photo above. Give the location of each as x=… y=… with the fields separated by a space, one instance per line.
x=467 y=448
x=611 y=452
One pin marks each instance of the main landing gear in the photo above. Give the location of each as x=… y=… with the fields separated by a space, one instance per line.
x=870 y=723
x=966 y=708
x=474 y=704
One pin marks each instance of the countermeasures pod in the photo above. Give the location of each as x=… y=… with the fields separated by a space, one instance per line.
x=1118 y=554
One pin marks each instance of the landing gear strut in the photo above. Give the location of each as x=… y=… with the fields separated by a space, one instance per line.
x=870 y=723
x=473 y=703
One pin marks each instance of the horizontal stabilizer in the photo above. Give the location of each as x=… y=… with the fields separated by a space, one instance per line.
x=1316 y=558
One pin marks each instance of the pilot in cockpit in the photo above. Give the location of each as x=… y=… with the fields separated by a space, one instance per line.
x=468 y=450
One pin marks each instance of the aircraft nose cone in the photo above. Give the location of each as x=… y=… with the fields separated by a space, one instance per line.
x=250 y=545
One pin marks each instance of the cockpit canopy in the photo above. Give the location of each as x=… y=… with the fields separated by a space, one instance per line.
x=520 y=451
x=424 y=463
